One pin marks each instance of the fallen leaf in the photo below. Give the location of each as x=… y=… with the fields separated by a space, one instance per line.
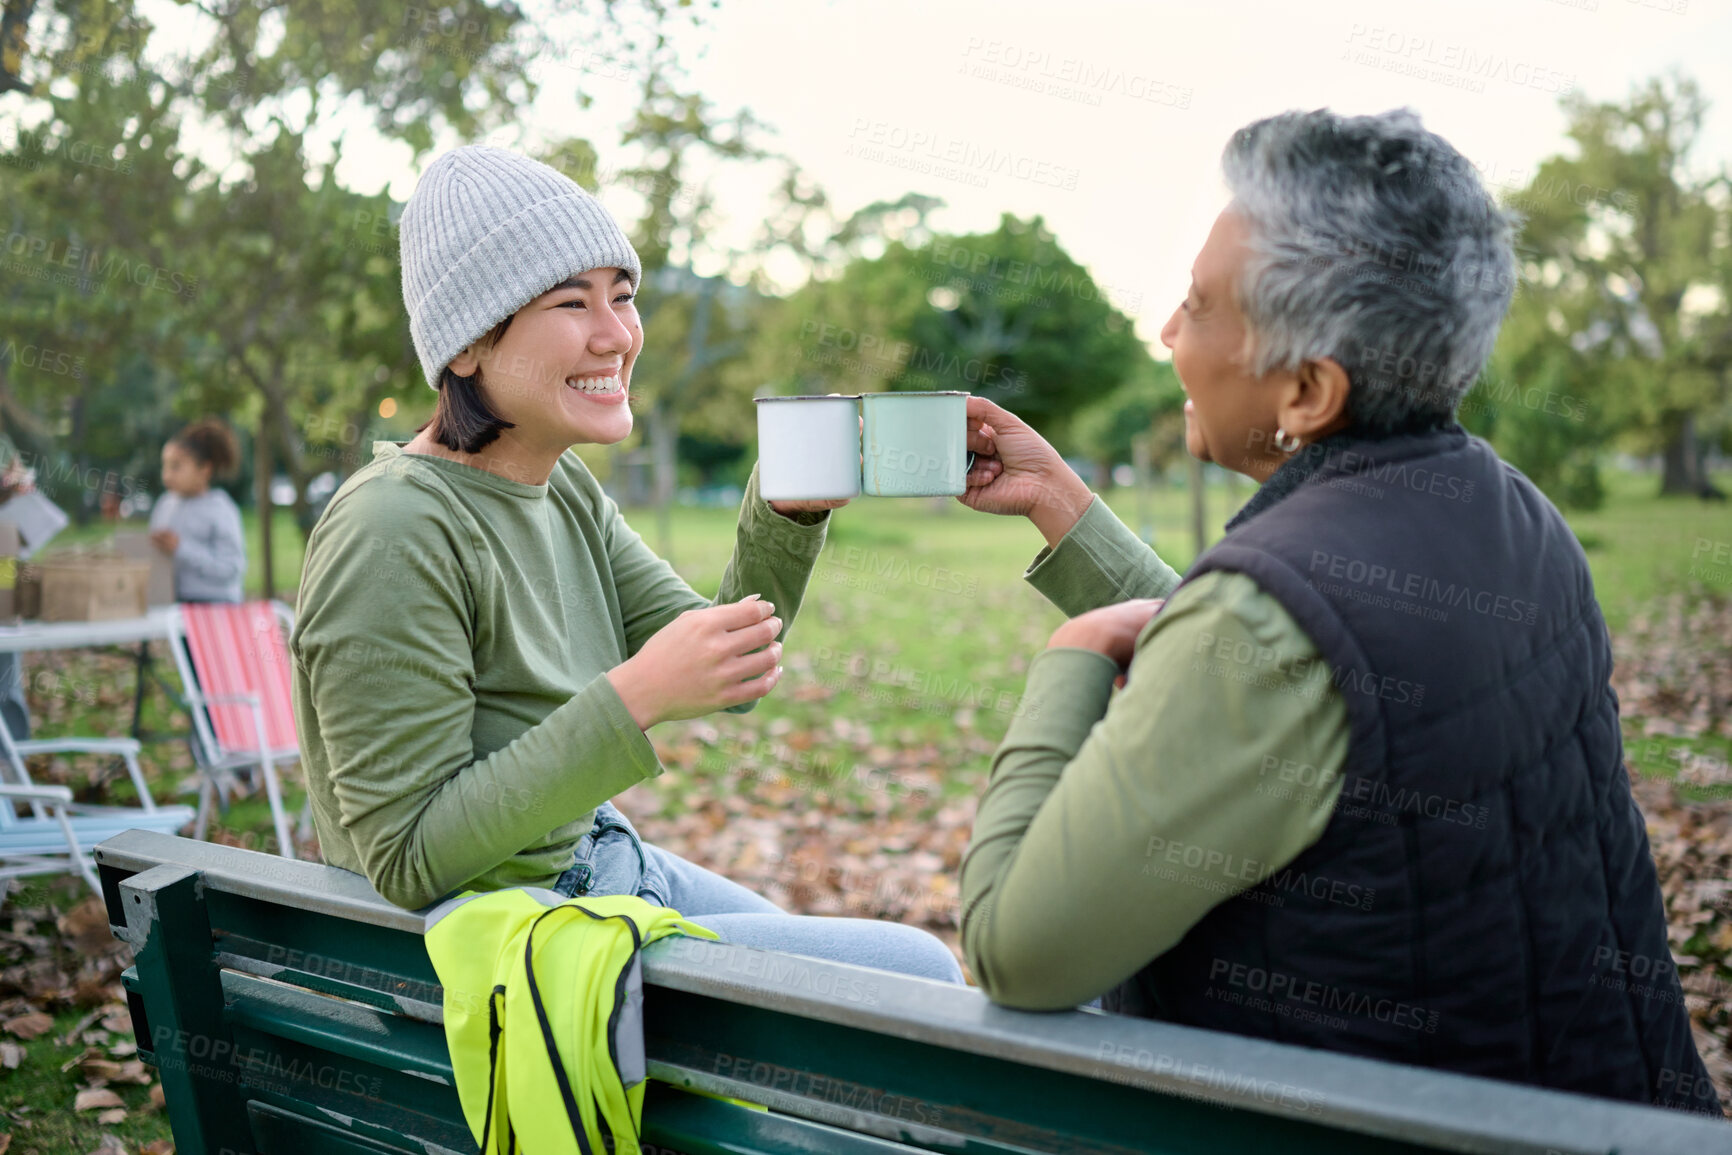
x=112 y=1116
x=87 y=925
x=11 y=1054
x=29 y=1026
x=154 y=1147
x=95 y=1098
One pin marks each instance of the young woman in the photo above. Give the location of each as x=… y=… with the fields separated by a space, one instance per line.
x=481 y=639
x=195 y=523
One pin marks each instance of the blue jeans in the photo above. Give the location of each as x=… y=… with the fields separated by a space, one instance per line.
x=612 y=859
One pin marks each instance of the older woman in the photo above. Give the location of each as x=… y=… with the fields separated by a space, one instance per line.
x=1363 y=788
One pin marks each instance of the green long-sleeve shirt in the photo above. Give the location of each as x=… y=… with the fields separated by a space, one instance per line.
x=1113 y=823
x=451 y=645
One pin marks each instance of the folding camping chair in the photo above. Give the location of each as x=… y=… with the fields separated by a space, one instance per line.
x=237 y=684
x=57 y=834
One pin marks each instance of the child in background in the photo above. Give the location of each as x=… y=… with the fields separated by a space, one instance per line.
x=197 y=524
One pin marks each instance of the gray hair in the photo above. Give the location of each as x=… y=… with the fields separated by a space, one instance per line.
x=1375 y=243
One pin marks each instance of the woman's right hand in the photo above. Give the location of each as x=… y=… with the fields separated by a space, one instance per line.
x=1016 y=471
x=702 y=661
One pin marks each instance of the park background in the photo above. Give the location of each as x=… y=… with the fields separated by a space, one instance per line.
x=200 y=205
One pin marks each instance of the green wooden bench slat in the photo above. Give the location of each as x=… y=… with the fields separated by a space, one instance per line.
x=279 y=1132
x=951 y=1100
x=368 y=1100
x=353 y=1030
x=696 y=1125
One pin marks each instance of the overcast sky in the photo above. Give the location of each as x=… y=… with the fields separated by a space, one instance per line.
x=1108 y=118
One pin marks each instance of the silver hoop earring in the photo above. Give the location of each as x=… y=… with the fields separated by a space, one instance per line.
x=1285 y=441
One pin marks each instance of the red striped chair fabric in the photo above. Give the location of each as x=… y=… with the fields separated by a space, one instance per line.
x=239 y=648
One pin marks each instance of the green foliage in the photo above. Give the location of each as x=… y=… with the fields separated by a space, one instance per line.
x=1626 y=299
x=1008 y=315
x=1105 y=429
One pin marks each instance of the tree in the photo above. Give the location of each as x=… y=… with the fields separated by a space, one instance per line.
x=1628 y=270
x=1107 y=430
x=1006 y=314
x=273 y=313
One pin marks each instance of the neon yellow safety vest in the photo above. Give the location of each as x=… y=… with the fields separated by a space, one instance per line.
x=543 y=1008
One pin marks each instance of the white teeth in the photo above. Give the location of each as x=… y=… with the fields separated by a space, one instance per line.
x=594 y=384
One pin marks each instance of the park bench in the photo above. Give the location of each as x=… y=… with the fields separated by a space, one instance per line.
x=290 y=1010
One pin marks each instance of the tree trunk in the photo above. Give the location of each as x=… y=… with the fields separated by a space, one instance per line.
x=1681 y=470
x=80 y=514
x=1198 y=509
x=1145 y=512
x=262 y=471
x=663 y=441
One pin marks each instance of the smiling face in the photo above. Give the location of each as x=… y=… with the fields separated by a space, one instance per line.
x=1229 y=414
x=561 y=373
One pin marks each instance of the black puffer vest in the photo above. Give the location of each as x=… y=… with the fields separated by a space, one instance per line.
x=1483 y=899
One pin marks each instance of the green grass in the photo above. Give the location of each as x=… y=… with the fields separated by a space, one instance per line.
x=912 y=645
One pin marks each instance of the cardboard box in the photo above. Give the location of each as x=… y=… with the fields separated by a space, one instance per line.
x=91 y=587
x=27 y=596
x=136 y=544
x=10 y=547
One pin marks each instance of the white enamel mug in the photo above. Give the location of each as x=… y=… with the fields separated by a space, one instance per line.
x=809 y=447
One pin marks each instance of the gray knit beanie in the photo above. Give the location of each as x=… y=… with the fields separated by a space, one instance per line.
x=485 y=232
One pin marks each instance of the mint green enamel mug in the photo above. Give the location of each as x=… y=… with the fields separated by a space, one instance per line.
x=914 y=444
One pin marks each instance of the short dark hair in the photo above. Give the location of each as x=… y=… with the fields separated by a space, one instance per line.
x=463 y=421
x=210 y=442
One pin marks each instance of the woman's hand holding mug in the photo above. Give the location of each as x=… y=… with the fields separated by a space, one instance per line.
x=702 y=661
x=1017 y=472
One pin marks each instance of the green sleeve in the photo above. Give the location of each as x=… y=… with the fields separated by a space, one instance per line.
x=773 y=557
x=1111 y=825
x=1100 y=562
x=386 y=619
